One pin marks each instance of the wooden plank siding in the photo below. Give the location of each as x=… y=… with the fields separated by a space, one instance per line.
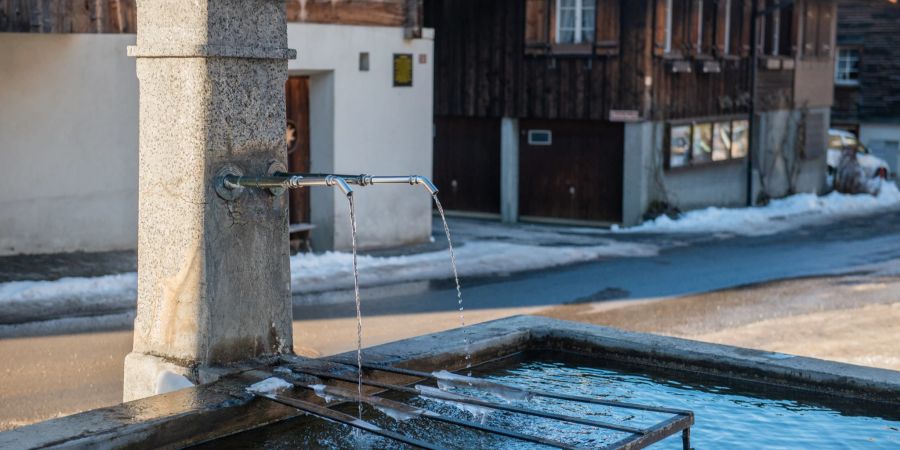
x=483 y=68
x=486 y=65
x=578 y=177
x=119 y=16
x=68 y=16
x=467 y=163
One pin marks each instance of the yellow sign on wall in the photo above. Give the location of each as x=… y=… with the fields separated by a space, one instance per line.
x=403 y=69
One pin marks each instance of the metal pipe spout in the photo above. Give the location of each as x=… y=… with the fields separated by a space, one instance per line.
x=371 y=180
x=277 y=183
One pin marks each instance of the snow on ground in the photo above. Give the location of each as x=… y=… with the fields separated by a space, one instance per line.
x=779 y=215
x=24 y=301
x=334 y=270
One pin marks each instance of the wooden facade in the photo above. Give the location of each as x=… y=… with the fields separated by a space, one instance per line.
x=119 y=16
x=68 y=16
x=498 y=58
x=467 y=163
x=646 y=60
x=872 y=28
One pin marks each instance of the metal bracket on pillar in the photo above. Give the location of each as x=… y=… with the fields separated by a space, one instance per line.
x=228 y=193
x=276 y=167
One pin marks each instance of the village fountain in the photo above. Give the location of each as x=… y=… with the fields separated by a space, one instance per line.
x=214 y=303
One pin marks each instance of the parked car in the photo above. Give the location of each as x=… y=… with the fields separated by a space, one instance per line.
x=838 y=141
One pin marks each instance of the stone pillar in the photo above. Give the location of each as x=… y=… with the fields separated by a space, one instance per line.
x=509 y=169
x=213 y=276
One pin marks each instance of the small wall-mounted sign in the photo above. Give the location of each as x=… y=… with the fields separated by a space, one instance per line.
x=624 y=115
x=423 y=58
x=540 y=137
x=403 y=69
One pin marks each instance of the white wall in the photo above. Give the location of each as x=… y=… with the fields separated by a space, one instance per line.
x=69 y=128
x=68 y=143
x=360 y=123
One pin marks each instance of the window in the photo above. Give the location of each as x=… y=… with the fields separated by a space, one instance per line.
x=846 y=68
x=702 y=143
x=740 y=142
x=575 y=21
x=679 y=145
x=571 y=27
x=705 y=142
x=721 y=145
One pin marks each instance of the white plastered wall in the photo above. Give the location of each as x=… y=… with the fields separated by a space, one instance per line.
x=68 y=143
x=361 y=123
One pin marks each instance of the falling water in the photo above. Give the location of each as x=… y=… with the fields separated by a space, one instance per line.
x=462 y=317
x=358 y=311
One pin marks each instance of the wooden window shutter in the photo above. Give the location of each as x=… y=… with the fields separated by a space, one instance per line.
x=607 y=26
x=722 y=23
x=659 y=28
x=746 y=24
x=810 y=29
x=537 y=32
x=694 y=21
x=824 y=37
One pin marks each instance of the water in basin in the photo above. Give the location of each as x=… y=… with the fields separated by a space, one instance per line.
x=728 y=413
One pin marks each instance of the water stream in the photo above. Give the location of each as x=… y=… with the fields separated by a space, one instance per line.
x=462 y=317
x=358 y=309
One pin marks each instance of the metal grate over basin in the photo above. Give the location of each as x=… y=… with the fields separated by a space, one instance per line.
x=675 y=420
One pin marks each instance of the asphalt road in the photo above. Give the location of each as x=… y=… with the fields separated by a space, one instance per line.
x=46 y=376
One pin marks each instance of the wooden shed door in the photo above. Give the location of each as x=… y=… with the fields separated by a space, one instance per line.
x=578 y=176
x=297 y=139
x=467 y=163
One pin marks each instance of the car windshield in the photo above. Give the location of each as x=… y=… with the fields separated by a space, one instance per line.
x=834 y=141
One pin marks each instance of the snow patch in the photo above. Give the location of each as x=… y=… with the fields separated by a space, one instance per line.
x=66 y=289
x=169 y=381
x=270 y=385
x=779 y=215
x=312 y=273
x=333 y=270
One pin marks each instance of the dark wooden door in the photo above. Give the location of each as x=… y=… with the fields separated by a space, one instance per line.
x=297 y=138
x=467 y=163
x=577 y=177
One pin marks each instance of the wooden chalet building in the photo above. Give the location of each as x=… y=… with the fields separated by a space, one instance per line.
x=867 y=75
x=70 y=112
x=598 y=111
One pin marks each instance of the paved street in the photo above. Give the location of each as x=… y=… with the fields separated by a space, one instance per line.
x=44 y=376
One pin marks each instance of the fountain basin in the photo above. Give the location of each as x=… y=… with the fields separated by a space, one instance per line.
x=223 y=412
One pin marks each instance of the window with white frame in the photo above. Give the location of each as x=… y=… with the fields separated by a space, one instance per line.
x=846 y=68
x=575 y=21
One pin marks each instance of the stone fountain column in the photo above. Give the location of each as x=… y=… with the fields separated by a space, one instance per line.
x=213 y=276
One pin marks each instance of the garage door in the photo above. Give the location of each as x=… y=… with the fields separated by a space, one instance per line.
x=570 y=170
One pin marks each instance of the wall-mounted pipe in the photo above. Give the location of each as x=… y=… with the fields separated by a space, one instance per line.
x=231 y=182
x=370 y=180
x=280 y=181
